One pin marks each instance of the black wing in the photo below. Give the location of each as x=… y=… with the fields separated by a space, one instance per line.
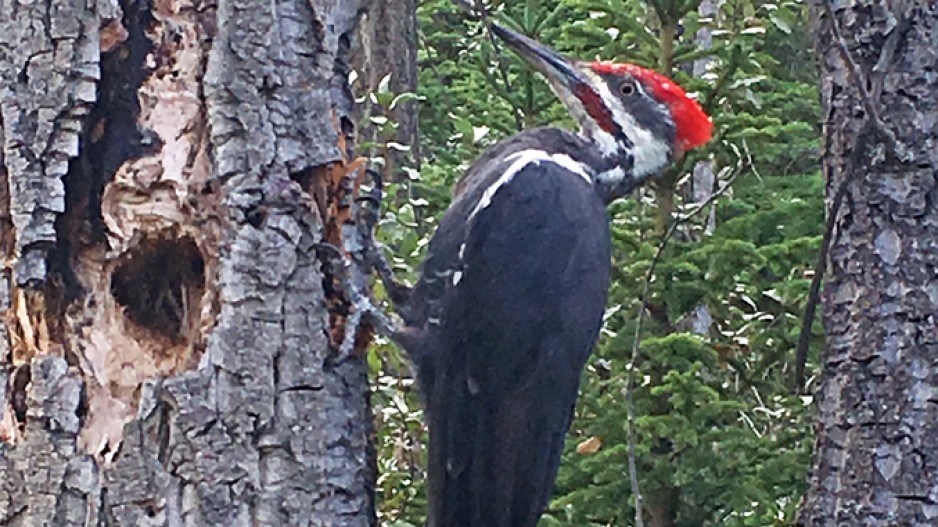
x=518 y=318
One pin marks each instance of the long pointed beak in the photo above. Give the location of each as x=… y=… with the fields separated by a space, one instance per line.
x=560 y=71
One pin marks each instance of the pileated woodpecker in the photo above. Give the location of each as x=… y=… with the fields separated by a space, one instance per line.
x=511 y=295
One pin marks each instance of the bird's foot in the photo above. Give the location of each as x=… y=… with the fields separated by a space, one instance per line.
x=367 y=211
x=354 y=285
x=368 y=203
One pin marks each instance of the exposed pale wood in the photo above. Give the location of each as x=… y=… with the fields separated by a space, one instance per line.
x=167 y=360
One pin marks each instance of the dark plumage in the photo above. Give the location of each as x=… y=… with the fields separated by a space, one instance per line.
x=509 y=363
x=506 y=339
x=511 y=294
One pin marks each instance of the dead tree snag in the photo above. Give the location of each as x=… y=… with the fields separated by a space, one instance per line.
x=165 y=354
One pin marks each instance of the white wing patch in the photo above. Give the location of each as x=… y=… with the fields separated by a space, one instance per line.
x=521 y=160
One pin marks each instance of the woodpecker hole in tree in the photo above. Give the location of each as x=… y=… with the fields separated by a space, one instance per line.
x=159 y=284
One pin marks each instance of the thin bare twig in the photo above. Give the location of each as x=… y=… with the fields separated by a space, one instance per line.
x=872 y=123
x=861 y=82
x=630 y=390
x=814 y=293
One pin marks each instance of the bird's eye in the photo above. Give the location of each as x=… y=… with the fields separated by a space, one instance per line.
x=627 y=88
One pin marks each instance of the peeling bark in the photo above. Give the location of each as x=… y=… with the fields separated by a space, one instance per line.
x=168 y=167
x=875 y=461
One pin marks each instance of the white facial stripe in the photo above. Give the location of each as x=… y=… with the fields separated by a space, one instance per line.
x=605 y=140
x=573 y=166
x=521 y=160
x=650 y=154
x=641 y=88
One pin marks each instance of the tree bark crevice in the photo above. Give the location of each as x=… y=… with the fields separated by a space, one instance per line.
x=49 y=69
x=178 y=342
x=872 y=464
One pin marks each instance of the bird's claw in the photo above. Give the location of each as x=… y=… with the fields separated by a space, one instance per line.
x=353 y=286
x=360 y=255
x=367 y=211
x=368 y=207
x=342 y=267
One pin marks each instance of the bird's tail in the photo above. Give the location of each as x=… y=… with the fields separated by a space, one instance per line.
x=493 y=459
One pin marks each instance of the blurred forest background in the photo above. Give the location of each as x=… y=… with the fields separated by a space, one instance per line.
x=722 y=436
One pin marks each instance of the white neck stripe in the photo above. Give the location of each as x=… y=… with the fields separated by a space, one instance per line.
x=521 y=160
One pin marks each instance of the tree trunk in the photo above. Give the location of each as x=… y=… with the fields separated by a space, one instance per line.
x=387 y=50
x=169 y=166
x=704 y=179
x=876 y=458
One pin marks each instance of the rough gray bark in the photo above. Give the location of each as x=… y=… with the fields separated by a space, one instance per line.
x=168 y=167
x=48 y=69
x=876 y=458
x=388 y=47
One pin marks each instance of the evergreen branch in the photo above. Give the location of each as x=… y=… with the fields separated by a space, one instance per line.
x=709 y=104
x=659 y=252
x=478 y=11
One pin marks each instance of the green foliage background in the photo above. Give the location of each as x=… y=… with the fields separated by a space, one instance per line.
x=720 y=440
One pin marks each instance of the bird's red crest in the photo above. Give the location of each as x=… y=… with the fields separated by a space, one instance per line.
x=693 y=126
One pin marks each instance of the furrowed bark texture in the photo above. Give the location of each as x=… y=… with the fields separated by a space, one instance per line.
x=876 y=461
x=167 y=169
x=48 y=71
